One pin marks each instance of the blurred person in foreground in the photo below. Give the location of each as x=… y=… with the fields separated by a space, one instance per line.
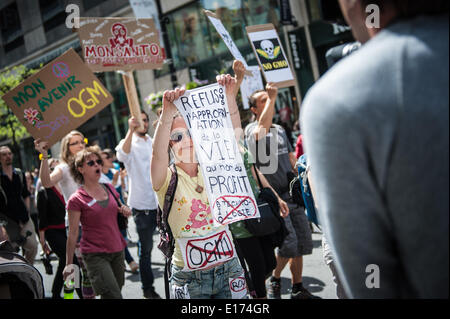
x=376 y=133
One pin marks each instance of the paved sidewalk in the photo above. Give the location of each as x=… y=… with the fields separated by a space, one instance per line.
x=316 y=275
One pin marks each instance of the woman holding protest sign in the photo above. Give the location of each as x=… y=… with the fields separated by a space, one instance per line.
x=71 y=144
x=204 y=263
x=257 y=251
x=95 y=205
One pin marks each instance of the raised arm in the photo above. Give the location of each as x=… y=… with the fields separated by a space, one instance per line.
x=160 y=155
x=48 y=180
x=266 y=118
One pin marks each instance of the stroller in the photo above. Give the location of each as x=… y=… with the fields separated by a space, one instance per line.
x=18 y=279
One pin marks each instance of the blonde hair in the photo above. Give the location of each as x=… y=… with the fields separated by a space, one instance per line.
x=66 y=156
x=79 y=159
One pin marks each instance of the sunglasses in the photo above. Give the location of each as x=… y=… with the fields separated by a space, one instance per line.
x=92 y=162
x=178 y=136
x=77 y=142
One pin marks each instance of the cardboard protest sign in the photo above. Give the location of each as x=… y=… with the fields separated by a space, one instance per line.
x=270 y=54
x=120 y=44
x=58 y=99
x=226 y=38
x=201 y=253
x=205 y=111
x=251 y=84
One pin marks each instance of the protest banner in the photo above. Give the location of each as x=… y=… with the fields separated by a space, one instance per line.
x=251 y=84
x=110 y=44
x=148 y=9
x=201 y=253
x=58 y=99
x=205 y=111
x=270 y=55
x=226 y=38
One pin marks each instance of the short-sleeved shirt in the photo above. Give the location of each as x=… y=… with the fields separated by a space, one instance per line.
x=190 y=215
x=137 y=163
x=278 y=178
x=15 y=191
x=100 y=231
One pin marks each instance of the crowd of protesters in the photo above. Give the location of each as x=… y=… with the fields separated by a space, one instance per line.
x=378 y=161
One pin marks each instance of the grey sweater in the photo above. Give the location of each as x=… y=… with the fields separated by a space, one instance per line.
x=376 y=133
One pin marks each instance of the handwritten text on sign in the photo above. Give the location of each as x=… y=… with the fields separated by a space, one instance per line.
x=205 y=111
x=58 y=99
x=201 y=253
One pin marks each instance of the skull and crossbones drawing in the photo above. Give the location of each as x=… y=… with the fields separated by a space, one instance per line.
x=267 y=46
x=119 y=32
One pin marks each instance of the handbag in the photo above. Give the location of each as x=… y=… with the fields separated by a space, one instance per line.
x=269 y=220
x=122 y=221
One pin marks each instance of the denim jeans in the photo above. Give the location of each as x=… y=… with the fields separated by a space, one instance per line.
x=145 y=226
x=206 y=284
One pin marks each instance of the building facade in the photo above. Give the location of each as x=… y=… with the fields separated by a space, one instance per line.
x=33 y=32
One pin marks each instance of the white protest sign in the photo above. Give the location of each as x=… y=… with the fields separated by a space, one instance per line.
x=226 y=37
x=270 y=54
x=205 y=111
x=251 y=84
x=204 y=252
x=147 y=9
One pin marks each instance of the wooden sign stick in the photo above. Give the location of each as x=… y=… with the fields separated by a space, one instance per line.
x=133 y=101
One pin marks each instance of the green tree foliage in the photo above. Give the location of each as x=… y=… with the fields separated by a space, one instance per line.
x=10 y=126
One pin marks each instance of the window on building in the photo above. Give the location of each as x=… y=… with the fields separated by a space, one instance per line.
x=53 y=13
x=188 y=36
x=11 y=28
x=193 y=38
x=314 y=10
x=89 y=4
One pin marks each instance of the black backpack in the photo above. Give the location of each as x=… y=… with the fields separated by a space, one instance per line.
x=166 y=239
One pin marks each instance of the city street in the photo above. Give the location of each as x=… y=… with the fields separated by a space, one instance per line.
x=317 y=276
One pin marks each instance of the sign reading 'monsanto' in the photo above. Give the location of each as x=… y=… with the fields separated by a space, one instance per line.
x=120 y=44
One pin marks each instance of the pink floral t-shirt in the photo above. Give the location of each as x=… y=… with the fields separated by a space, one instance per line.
x=100 y=232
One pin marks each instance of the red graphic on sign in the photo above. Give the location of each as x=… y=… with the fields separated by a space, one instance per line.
x=119 y=32
x=234 y=208
x=222 y=247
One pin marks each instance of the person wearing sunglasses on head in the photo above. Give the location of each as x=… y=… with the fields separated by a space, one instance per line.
x=190 y=220
x=95 y=206
x=71 y=144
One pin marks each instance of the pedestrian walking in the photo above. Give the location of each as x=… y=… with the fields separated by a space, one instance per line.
x=278 y=168
x=190 y=217
x=96 y=206
x=71 y=144
x=135 y=152
x=15 y=206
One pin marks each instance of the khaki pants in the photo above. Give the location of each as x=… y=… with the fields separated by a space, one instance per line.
x=107 y=273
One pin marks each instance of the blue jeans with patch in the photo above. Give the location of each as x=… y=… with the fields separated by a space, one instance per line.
x=145 y=226
x=205 y=284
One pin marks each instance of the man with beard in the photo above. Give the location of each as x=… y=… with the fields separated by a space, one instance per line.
x=15 y=204
x=135 y=151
